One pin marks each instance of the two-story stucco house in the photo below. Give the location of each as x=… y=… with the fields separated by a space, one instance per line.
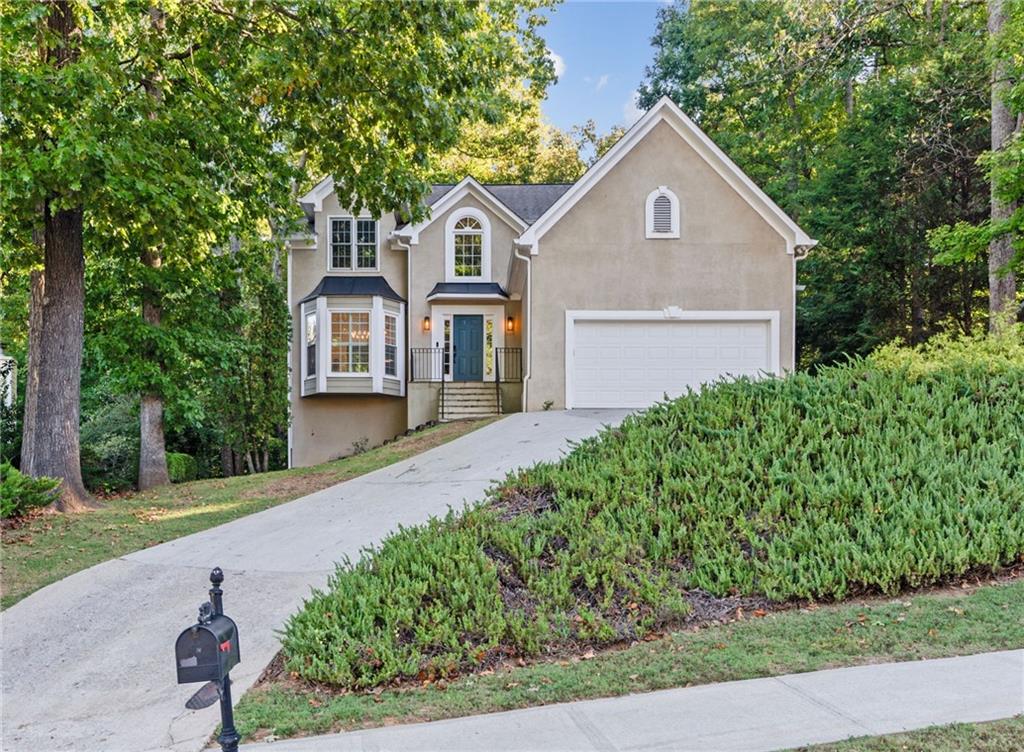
x=664 y=267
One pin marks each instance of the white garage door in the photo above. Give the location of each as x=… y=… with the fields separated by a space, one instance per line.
x=636 y=363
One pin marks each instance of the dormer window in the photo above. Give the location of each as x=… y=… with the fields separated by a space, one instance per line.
x=468 y=247
x=662 y=212
x=353 y=244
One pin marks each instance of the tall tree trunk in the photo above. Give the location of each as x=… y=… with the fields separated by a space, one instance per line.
x=1002 y=286
x=227 y=461
x=152 y=449
x=30 y=425
x=54 y=449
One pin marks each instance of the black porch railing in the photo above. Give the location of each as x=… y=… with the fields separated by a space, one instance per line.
x=508 y=364
x=426 y=364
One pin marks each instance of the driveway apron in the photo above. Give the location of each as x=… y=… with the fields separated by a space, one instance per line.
x=88 y=662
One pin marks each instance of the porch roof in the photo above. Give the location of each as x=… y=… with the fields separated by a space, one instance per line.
x=467 y=290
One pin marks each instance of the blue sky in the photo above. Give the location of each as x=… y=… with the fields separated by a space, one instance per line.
x=601 y=50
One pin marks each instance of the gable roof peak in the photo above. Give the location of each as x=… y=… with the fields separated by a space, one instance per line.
x=667 y=111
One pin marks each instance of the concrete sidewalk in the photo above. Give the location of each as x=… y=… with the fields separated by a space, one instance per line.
x=759 y=714
x=88 y=662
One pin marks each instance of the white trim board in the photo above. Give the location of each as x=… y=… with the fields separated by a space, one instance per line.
x=671 y=313
x=666 y=111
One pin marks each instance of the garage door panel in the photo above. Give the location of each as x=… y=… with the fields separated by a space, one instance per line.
x=636 y=363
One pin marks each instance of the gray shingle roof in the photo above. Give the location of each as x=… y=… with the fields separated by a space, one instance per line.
x=527 y=200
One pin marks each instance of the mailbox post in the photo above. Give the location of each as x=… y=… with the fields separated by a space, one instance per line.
x=207 y=651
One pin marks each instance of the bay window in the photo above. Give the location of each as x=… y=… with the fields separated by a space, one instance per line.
x=310 y=336
x=390 y=345
x=350 y=342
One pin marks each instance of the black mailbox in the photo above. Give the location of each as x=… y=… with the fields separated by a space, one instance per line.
x=207 y=651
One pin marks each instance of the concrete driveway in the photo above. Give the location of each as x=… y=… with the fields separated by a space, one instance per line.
x=88 y=661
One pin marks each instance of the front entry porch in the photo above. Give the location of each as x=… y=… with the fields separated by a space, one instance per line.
x=496 y=391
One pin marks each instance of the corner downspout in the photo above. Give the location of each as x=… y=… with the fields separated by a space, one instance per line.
x=407 y=247
x=528 y=321
x=291 y=375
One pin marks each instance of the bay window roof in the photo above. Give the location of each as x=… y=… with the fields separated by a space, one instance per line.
x=361 y=286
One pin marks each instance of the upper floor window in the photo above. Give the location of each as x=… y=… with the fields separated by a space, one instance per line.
x=353 y=244
x=350 y=342
x=468 y=247
x=662 y=212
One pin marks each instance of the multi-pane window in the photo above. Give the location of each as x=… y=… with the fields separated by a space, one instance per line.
x=353 y=243
x=469 y=248
x=310 y=344
x=350 y=342
x=341 y=243
x=366 y=244
x=390 y=345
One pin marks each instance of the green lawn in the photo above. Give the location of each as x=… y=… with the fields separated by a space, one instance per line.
x=927 y=625
x=52 y=546
x=995 y=736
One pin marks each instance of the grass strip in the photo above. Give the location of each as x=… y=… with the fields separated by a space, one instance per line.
x=926 y=625
x=49 y=547
x=994 y=736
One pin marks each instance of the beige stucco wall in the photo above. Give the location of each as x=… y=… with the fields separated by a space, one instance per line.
x=597 y=258
x=326 y=426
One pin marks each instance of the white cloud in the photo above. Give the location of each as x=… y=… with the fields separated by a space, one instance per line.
x=558 y=62
x=631 y=111
x=601 y=82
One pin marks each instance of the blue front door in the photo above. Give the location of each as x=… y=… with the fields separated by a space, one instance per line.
x=468 y=338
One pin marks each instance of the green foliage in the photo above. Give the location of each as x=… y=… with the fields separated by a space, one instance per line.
x=183 y=133
x=20 y=493
x=870 y=476
x=110 y=439
x=181 y=467
x=1004 y=167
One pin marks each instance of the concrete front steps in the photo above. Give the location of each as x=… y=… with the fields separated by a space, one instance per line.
x=465 y=400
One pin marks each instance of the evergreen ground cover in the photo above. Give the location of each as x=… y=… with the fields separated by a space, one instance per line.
x=893 y=471
x=940 y=622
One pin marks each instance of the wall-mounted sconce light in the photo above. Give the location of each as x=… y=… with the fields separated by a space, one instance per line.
x=426 y=323
x=510 y=325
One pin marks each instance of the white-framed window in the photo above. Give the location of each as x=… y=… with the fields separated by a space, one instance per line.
x=662 y=214
x=310 y=344
x=353 y=244
x=390 y=345
x=350 y=342
x=468 y=246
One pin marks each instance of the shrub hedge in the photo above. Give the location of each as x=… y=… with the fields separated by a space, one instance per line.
x=895 y=470
x=20 y=494
x=181 y=467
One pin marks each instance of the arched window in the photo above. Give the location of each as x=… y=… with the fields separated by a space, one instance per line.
x=468 y=247
x=662 y=212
